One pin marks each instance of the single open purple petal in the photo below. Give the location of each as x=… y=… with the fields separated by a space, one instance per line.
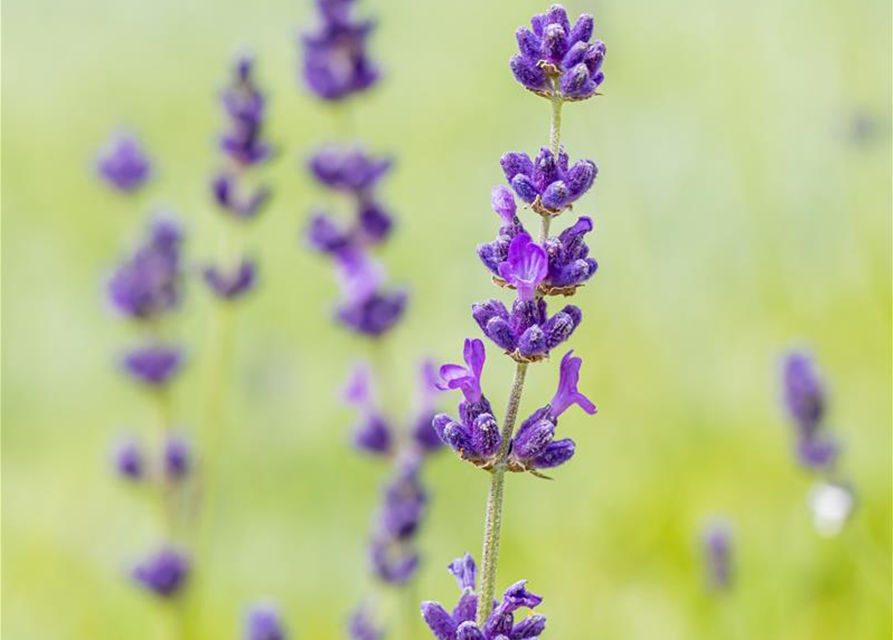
x=526 y=266
x=567 y=393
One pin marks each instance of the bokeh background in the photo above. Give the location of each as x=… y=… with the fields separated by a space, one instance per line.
x=743 y=206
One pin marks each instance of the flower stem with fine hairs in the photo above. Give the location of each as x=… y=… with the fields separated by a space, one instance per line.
x=554 y=145
x=493 y=522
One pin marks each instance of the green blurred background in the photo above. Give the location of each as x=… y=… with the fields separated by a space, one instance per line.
x=743 y=206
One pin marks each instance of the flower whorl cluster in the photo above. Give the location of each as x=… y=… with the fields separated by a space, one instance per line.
x=263 y=622
x=123 y=164
x=717 y=548
x=476 y=436
x=244 y=147
x=557 y=59
x=336 y=64
x=367 y=307
x=459 y=624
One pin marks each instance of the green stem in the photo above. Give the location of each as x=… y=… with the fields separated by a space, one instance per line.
x=554 y=146
x=490 y=555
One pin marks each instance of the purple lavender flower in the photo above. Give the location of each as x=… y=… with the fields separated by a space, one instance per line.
x=567 y=393
x=123 y=163
x=392 y=563
x=336 y=64
x=245 y=105
x=177 y=458
x=717 y=548
x=423 y=433
x=153 y=364
x=263 y=622
x=804 y=397
x=467 y=379
x=373 y=434
x=148 y=283
x=547 y=183
x=226 y=191
x=525 y=267
x=557 y=57
x=231 y=284
x=459 y=624
x=350 y=169
x=129 y=460
x=373 y=316
x=527 y=333
x=361 y=626
x=164 y=573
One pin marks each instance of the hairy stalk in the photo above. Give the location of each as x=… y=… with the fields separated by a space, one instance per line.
x=554 y=145
x=493 y=522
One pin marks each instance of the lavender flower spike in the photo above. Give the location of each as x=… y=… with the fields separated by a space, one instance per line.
x=153 y=365
x=372 y=434
x=557 y=58
x=123 y=163
x=245 y=105
x=547 y=183
x=129 y=460
x=263 y=622
x=163 y=573
x=467 y=379
x=717 y=548
x=525 y=267
x=567 y=393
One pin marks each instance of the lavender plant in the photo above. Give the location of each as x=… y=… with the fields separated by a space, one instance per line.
x=123 y=164
x=558 y=62
x=831 y=497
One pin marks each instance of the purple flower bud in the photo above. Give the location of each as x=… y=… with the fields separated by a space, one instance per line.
x=483 y=312
x=503 y=203
x=529 y=44
x=493 y=253
x=232 y=284
x=555 y=43
x=532 y=342
x=469 y=411
x=123 y=164
x=525 y=188
x=375 y=315
x=526 y=314
x=486 y=438
x=499 y=331
x=468 y=378
x=499 y=624
x=567 y=393
x=580 y=178
x=375 y=223
x=325 y=235
x=526 y=266
x=460 y=440
x=465 y=571
x=439 y=621
x=576 y=82
x=549 y=178
x=803 y=393
x=224 y=188
x=517 y=596
x=557 y=15
x=582 y=29
x=818 y=454
x=530 y=627
x=528 y=73
x=558 y=329
x=163 y=573
x=555 y=454
x=245 y=105
x=532 y=439
x=348 y=169
x=516 y=163
x=403 y=505
x=393 y=564
x=177 y=458
x=466 y=608
x=469 y=631
x=129 y=460
x=361 y=626
x=373 y=435
x=154 y=364
x=717 y=548
x=439 y=423
x=263 y=622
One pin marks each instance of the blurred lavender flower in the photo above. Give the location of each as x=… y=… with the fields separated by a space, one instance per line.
x=423 y=432
x=163 y=573
x=557 y=58
x=245 y=105
x=804 y=397
x=231 y=284
x=263 y=622
x=348 y=169
x=123 y=163
x=129 y=460
x=373 y=434
x=336 y=64
x=361 y=626
x=546 y=182
x=154 y=364
x=177 y=458
x=717 y=544
x=459 y=624
x=476 y=436
x=148 y=283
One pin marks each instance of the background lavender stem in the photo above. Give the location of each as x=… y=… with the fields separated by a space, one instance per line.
x=493 y=522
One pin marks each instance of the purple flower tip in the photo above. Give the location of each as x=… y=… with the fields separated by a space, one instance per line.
x=263 y=622
x=153 y=365
x=525 y=267
x=177 y=458
x=129 y=460
x=231 y=284
x=362 y=627
x=468 y=378
x=348 y=169
x=123 y=164
x=164 y=573
x=465 y=571
x=567 y=393
x=503 y=203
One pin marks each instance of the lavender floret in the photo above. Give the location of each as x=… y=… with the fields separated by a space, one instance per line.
x=129 y=460
x=232 y=283
x=263 y=622
x=546 y=182
x=154 y=364
x=164 y=573
x=123 y=163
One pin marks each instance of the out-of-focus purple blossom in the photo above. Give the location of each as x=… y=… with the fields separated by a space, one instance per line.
x=525 y=267
x=123 y=163
x=547 y=182
x=423 y=433
x=232 y=283
x=567 y=393
x=716 y=541
x=805 y=400
x=164 y=573
x=245 y=105
x=263 y=622
x=361 y=626
x=226 y=191
x=467 y=379
x=154 y=364
x=177 y=458
x=129 y=460
x=391 y=563
x=372 y=434
x=148 y=283
x=555 y=56
x=459 y=624
x=348 y=169
x=375 y=315
x=336 y=62
x=526 y=333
